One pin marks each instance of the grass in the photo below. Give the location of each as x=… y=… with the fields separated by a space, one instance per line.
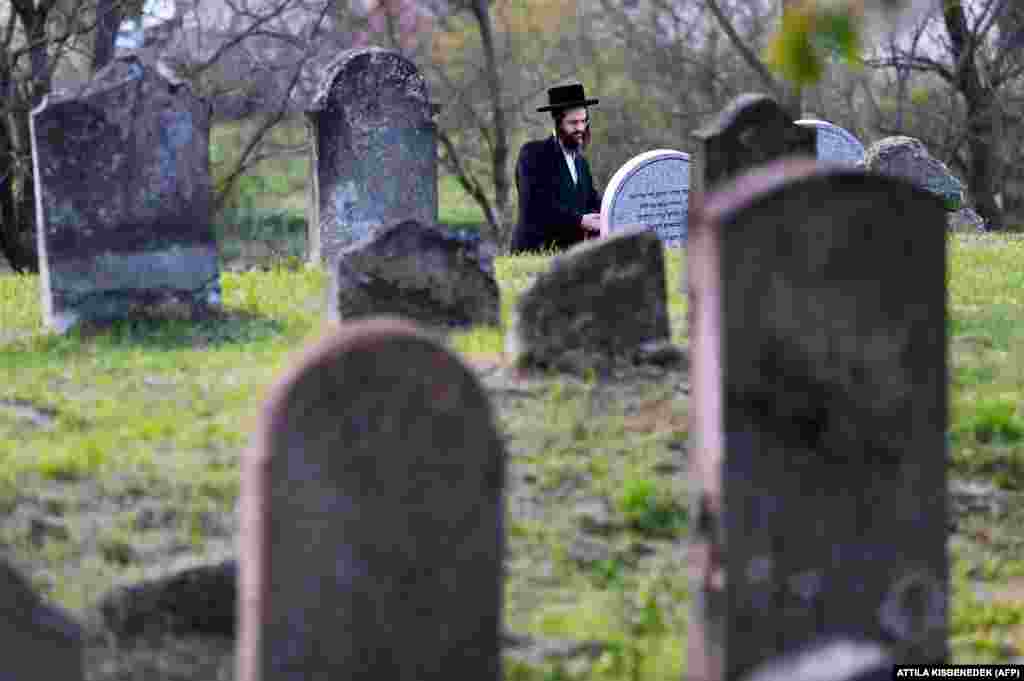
x=94 y=422
x=265 y=216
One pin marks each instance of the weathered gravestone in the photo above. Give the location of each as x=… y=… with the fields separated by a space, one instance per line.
x=908 y=158
x=419 y=272
x=835 y=144
x=123 y=198
x=600 y=302
x=375 y=149
x=819 y=418
x=371 y=516
x=750 y=131
x=652 y=191
x=40 y=642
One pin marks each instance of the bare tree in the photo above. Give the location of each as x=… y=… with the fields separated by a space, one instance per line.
x=38 y=38
x=972 y=51
x=788 y=95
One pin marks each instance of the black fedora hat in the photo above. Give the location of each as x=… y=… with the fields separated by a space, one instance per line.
x=566 y=97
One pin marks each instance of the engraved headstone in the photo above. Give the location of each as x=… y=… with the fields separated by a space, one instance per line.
x=371 y=516
x=819 y=418
x=375 y=150
x=835 y=144
x=40 y=641
x=652 y=191
x=750 y=131
x=123 y=197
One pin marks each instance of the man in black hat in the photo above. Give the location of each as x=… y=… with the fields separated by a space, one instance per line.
x=558 y=205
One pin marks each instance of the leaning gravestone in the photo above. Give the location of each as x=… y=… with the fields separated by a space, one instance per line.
x=818 y=416
x=123 y=197
x=835 y=144
x=371 y=516
x=651 y=190
x=40 y=642
x=752 y=130
x=375 y=149
x=418 y=272
x=600 y=302
x=908 y=158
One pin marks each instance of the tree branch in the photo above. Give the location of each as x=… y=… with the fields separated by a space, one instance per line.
x=740 y=46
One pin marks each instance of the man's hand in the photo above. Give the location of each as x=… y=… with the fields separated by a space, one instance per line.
x=591 y=224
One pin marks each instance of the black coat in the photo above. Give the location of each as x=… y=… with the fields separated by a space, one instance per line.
x=550 y=204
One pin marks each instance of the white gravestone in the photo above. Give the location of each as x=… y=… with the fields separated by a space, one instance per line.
x=834 y=143
x=651 y=190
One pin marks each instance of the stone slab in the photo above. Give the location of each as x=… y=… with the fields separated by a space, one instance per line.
x=600 y=302
x=419 y=272
x=819 y=409
x=750 y=131
x=372 y=516
x=908 y=158
x=40 y=641
x=123 y=197
x=375 y=149
x=835 y=144
x=650 y=190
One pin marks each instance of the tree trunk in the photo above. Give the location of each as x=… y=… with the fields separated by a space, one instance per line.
x=981 y=114
x=108 y=19
x=981 y=172
x=17 y=203
x=500 y=150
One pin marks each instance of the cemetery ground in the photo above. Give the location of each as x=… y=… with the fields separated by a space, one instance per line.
x=119 y=458
x=119 y=451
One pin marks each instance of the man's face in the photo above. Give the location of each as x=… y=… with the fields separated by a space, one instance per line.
x=572 y=129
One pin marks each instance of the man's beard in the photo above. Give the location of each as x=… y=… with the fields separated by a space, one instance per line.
x=572 y=141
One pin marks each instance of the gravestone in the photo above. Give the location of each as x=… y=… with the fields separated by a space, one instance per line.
x=371 y=516
x=599 y=302
x=40 y=641
x=818 y=418
x=652 y=191
x=835 y=144
x=750 y=131
x=908 y=158
x=418 y=272
x=123 y=198
x=375 y=149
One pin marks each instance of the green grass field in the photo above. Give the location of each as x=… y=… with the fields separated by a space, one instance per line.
x=161 y=410
x=120 y=447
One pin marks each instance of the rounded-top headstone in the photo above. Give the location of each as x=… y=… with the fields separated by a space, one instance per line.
x=371 y=515
x=835 y=144
x=651 y=190
x=376 y=149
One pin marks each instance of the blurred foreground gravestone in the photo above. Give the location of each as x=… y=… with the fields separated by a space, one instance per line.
x=818 y=418
x=374 y=150
x=39 y=641
x=372 y=516
x=123 y=198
